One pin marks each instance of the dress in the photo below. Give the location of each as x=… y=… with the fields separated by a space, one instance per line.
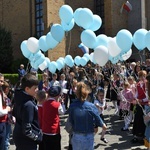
x=138 y=125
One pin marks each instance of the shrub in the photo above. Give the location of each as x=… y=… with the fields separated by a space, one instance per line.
x=13 y=78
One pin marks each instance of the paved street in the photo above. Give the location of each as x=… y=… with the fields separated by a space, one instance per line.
x=118 y=140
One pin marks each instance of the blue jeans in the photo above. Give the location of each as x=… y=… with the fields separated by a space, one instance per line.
x=2 y=135
x=83 y=141
x=8 y=132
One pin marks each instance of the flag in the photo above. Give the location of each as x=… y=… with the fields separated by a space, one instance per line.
x=127 y=6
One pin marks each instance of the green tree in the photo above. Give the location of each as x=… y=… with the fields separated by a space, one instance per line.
x=6 y=52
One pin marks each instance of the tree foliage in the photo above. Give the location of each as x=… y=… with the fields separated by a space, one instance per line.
x=6 y=52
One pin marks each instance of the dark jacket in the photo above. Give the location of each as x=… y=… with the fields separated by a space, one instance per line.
x=27 y=130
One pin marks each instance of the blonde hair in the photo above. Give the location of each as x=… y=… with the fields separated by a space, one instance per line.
x=142 y=73
x=126 y=84
x=82 y=91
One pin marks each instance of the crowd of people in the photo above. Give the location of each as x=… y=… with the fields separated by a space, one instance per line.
x=82 y=93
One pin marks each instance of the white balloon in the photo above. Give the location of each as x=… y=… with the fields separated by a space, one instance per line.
x=33 y=45
x=127 y=55
x=43 y=65
x=113 y=48
x=101 y=55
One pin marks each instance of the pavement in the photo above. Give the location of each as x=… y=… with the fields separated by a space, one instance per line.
x=117 y=139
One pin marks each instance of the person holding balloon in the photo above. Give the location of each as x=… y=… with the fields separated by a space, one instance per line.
x=83 y=116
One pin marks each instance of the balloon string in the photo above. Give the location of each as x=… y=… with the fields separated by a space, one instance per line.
x=69 y=43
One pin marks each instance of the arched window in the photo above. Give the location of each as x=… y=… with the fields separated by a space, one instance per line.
x=39 y=18
x=99 y=10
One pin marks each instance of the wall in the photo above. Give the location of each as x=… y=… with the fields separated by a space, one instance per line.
x=15 y=17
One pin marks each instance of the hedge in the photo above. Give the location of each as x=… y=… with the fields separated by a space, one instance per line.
x=13 y=78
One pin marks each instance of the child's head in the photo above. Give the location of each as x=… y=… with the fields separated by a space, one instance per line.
x=54 y=76
x=126 y=85
x=29 y=84
x=54 y=92
x=45 y=76
x=131 y=80
x=82 y=91
x=62 y=76
x=100 y=94
x=5 y=87
x=41 y=96
x=74 y=82
x=142 y=75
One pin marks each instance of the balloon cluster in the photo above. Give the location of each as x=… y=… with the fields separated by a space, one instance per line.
x=105 y=48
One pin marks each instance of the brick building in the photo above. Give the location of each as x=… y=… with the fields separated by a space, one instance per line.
x=33 y=18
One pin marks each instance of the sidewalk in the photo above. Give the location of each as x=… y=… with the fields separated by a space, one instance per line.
x=118 y=140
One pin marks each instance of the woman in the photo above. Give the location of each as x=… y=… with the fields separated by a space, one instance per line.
x=83 y=117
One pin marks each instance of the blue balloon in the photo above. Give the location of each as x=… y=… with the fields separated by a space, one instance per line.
x=40 y=60
x=83 y=61
x=60 y=64
x=77 y=60
x=43 y=44
x=31 y=57
x=67 y=27
x=85 y=17
x=66 y=13
x=57 y=32
x=37 y=55
x=83 y=48
x=68 y=60
x=34 y=65
x=26 y=53
x=47 y=60
x=97 y=22
x=87 y=56
x=71 y=64
x=124 y=40
x=76 y=16
x=139 y=39
x=101 y=39
x=88 y=38
x=61 y=58
x=147 y=40
x=52 y=67
x=51 y=42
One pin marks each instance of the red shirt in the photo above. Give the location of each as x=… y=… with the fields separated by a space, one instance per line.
x=3 y=118
x=40 y=111
x=50 y=117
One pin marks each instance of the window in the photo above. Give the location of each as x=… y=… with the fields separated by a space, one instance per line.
x=99 y=10
x=39 y=18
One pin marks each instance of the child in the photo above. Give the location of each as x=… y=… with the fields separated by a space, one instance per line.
x=41 y=98
x=126 y=99
x=54 y=81
x=50 y=119
x=4 y=110
x=100 y=103
x=133 y=88
x=26 y=132
x=63 y=85
x=10 y=119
